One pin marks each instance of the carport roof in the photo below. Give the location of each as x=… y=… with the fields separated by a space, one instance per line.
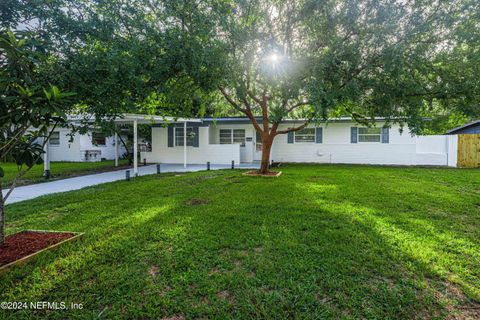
x=154 y=119
x=149 y=119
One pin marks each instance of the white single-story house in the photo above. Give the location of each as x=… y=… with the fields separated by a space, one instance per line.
x=223 y=140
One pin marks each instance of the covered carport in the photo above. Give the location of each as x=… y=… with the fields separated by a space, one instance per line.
x=136 y=119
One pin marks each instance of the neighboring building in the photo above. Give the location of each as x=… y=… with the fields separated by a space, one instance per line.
x=92 y=146
x=224 y=140
x=469 y=128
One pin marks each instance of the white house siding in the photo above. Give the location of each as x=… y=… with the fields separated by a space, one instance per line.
x=205 y=152
x=74 y=150
x=67 y=150
x=337 y=148
x=246 y=152
x=403 y=148
x=107 y=151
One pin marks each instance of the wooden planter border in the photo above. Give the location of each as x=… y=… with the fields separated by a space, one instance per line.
x=24 y=260
x=254 y=174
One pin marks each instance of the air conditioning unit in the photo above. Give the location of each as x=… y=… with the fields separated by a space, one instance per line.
x=92 y=155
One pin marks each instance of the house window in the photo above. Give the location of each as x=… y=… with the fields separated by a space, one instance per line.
x=258 y=142
x=232 y=136
x=179 y=136
x=369 y=134
x=306 y=135
x=239 y=136
x=98 y=139
x=54 y=139
x=225 y=136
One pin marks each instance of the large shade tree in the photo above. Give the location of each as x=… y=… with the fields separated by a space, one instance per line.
x=271 y=60
x=311 y=60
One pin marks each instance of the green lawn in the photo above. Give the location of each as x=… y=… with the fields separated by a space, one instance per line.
x=58 y=170
x=318 y=242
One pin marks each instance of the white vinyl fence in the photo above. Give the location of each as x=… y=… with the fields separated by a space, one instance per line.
x=437 y=150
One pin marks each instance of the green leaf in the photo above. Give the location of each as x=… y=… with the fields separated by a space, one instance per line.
x=56 y=92
x=47 y=94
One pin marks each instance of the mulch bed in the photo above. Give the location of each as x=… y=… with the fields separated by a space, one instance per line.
x=22 y=244
x=268 y=174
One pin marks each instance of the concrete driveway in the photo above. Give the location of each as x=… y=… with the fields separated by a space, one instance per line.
x=69 y=184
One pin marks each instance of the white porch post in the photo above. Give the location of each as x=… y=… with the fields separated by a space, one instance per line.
x=116 y=147
x=46 y=159
x=185 y=144
x=135 y=147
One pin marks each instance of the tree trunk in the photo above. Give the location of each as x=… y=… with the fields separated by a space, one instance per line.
x=2 y=215
x=129 y=155
x=266 y=148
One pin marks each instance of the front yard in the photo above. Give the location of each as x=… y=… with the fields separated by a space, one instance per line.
x=318 y=242
x=59 y=170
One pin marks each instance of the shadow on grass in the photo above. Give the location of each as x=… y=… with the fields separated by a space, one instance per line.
x=258 y=248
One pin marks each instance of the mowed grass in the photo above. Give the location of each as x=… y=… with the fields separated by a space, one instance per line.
x=319 y=242
x=58 y=170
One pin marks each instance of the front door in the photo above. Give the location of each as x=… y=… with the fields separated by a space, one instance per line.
x=257 y=153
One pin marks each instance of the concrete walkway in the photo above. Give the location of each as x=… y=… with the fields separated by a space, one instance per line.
x=41 y=189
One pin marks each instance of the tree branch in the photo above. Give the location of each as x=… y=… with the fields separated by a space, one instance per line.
x=250 y=93
x=264 y=106
x=303 y=103
x=254 y=120
x=273 y=131
x=22 y=173
x=230 y=100
x=10 y=144
x=293 y=129
x=247 y=111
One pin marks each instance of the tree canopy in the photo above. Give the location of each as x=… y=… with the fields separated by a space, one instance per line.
x=362 y=58
x=308 y=60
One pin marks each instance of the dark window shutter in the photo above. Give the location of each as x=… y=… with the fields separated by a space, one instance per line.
x=319 y=135
x=290 y=137
x=170 y=136
x=196 y=136
x=385 y=135
x=353 y=135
